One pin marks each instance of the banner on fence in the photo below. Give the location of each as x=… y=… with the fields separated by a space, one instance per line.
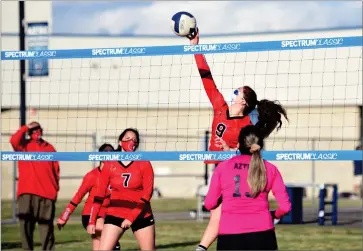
x=37 y=40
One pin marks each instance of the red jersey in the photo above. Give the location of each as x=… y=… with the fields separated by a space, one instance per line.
x=88 y=185
x=36 y=177
x=223 y=126
x=132 y=189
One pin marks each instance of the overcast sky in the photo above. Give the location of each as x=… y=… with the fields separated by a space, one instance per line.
x=153 y=18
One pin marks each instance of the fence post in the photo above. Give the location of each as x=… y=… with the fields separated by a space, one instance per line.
x=13 y=207
x=334 y=216
x=94 y=145
x=334 y=202
x=206 y=144
x=322 y=195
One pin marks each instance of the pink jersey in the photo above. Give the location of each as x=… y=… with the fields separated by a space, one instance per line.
x=240 y=212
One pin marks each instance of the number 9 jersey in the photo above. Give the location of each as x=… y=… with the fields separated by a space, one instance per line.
x=224 y=126
x=132 y=189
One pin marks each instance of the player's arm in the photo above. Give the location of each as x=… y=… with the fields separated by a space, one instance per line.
x=282 y=198
x=101 y=191
x=215 y=191
x=56 y=168
x=84 y=188
x=148 y=188
x=214 y=95
x=105 y=205
x=17 y=138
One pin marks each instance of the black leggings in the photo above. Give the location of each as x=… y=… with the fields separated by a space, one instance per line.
x=265 y=240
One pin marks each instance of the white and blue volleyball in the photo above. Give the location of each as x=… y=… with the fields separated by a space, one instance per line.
x=184 y=24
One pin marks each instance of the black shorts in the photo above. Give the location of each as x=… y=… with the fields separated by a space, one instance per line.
x=85 y=220
x=265 y=240
x=138 y=224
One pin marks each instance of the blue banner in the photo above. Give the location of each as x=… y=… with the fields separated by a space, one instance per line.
x=299 y=44
x=38 y=41
x=179 y=156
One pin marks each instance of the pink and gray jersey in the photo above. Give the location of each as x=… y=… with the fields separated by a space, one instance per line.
x=240 y=212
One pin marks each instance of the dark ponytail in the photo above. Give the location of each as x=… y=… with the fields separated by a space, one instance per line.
x=269 y=116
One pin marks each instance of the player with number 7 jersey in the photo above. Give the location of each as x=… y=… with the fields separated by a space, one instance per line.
x=132 y=185
x=132 y=188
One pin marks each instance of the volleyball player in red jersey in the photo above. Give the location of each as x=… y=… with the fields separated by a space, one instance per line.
x=132 y=185
x=228 y=121
x=88 y=186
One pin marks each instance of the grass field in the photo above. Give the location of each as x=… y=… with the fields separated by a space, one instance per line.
x=185 y=235
x=167 y=205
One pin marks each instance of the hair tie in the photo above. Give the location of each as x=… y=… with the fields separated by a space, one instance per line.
x=254 y=148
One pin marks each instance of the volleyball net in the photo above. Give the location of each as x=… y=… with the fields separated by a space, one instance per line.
x=90 y=95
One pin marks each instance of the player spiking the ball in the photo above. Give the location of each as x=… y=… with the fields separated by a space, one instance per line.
x=228 y=121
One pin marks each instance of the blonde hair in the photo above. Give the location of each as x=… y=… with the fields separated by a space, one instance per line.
x=257 y=177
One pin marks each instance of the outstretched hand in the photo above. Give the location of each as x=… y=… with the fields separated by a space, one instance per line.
x=195 y=39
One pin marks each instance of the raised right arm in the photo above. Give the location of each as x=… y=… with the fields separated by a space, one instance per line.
x=17 y=138
x=214 y=95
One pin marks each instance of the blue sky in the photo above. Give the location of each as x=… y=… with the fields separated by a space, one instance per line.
x=153 y=17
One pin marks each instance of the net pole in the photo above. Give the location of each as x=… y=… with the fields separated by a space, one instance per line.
x=22 y=63
x=22 y=96
x=361 y=124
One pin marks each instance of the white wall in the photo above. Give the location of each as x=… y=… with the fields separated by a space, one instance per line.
x=321 y=89
x=35 y=11
x=178 y=130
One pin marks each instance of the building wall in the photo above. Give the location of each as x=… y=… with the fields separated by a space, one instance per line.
x=85 y=102
x=177 y=130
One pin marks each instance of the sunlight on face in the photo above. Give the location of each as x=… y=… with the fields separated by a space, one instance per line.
x=238 y=97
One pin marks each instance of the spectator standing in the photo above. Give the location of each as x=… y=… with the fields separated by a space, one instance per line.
x=38 y=187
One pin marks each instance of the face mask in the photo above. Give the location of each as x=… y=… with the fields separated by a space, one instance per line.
x=128 y=146
x=36 y=136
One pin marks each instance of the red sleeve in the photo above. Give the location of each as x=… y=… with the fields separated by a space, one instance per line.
x=279 y=191
x=105 y=205
x=215 y=97
x=101 y=192
x=56 y=168
x=85 y=187
x=17 y=138
x=148 y=189
x=57 y=171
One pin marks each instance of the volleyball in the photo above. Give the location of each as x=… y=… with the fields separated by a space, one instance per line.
x=184 y=24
